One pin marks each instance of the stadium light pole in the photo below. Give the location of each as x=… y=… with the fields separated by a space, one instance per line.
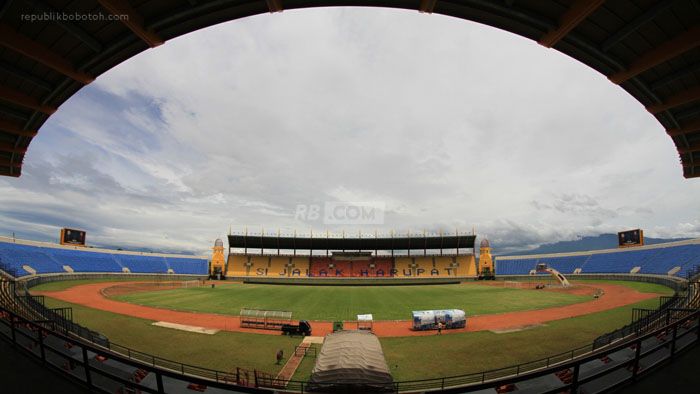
x=376 y=241
x=441 y=242
x=425 y=244
x=392 y=243
x=457 y=235
x=408 y=235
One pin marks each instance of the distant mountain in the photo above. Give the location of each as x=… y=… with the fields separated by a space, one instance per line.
x=142 y=249
x=603 y=241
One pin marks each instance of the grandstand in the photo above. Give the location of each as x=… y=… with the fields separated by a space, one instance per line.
x=647 y=48
x=653 y=335
x=21 y=258
x=273 y=256
x=674 y=259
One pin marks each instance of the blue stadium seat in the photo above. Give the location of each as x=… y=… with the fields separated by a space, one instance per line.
x=668 y=258
x=51 y=260
x=188 y=265
x=16 y=255
x=143 y=264
x=657 y=261
x=515 y=266
x=618 y=262
x=565 y=265
x=83 y=261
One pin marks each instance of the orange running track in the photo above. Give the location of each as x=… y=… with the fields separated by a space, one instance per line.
x=90 y=295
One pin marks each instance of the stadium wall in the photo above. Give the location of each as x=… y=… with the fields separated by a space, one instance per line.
x=342 y=281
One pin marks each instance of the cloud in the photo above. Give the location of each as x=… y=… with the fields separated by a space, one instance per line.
x=575 y=204
x=237 y=124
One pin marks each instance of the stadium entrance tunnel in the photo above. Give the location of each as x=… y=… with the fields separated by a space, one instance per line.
x=650 y=50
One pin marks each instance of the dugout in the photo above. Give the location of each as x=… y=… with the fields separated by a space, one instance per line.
x=351 y=362
x=269 y=320
x=428 y=320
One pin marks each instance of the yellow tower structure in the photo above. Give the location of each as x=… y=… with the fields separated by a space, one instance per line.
x=218 y=263
x=486 y=269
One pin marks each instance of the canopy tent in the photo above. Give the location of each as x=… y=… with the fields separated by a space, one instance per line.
x=364 y=322
x=351 y=361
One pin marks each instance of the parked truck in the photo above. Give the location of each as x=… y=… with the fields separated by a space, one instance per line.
x=303 y=328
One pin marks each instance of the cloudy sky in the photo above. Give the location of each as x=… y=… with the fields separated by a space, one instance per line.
x=445 y=123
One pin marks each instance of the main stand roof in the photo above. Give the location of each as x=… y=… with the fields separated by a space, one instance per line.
x=371 y=243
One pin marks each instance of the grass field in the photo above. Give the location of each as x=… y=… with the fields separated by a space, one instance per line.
x=642 y=287
x=345 y=302
x=66 y=284
x=484 y=350
x=223 y=351
x=408 y=358
x=412 y=358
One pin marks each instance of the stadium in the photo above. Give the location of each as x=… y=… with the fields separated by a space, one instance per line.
x=114 y=310
x=327 y=312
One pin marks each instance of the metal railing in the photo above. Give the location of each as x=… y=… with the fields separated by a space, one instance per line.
x=109 y=371
x=647 y=319
x=59 y=323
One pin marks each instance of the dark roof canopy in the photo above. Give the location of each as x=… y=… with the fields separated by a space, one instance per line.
x=650 y=48
x=324 y=243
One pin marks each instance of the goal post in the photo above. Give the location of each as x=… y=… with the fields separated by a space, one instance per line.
x=191 y=283
x=512 y=284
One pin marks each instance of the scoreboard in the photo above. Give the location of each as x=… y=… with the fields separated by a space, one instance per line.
x=73 y=237
x=630 y=238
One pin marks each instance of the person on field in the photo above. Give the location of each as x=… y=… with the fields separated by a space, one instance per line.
x=280 y=356
x=440 y=328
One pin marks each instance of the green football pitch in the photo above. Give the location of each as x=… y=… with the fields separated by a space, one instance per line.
x=345 y=302
x=407 y=357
